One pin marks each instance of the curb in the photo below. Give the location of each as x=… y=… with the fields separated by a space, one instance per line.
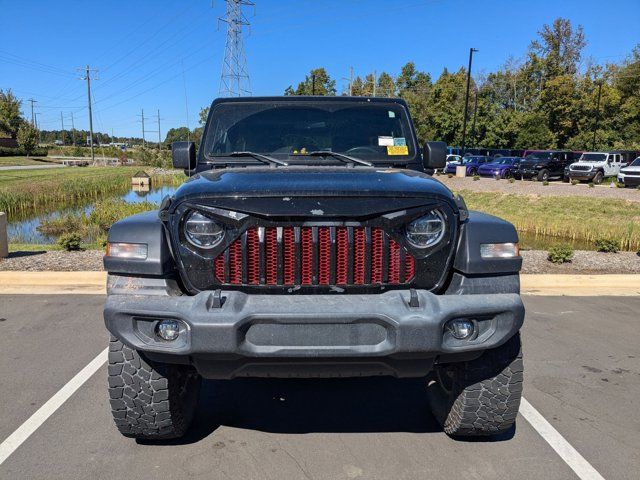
x=94 y=283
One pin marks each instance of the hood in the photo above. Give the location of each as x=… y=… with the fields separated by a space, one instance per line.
x=630 y=169
x=532 y=162
x=318 y=191
x=588 y=164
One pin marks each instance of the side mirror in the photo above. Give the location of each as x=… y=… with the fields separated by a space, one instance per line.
x=434 y=155
x=183 y=155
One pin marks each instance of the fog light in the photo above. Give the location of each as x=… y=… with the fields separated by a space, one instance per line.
x=460 y=328
x=168 y=329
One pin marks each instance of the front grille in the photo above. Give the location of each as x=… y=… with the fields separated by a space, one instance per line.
x=581 y=168
x=321 y=255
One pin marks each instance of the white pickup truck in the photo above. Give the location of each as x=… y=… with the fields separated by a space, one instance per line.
x=630 y=176
x=595 y=166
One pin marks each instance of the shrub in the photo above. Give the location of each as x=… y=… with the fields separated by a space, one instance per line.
x=476 y=178
x=450 y=175
x=497 y=177
x=575 y=182
x=607 y=246
x=20 y=152
x=591 y=185
x=512 y=180
x=70 y=241
x=560 y=254
x=545 y=183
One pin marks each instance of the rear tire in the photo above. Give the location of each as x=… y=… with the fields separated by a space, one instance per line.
x=150 y=401
x=482 y=396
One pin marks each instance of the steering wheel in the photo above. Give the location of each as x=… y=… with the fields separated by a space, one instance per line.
x=353 y=150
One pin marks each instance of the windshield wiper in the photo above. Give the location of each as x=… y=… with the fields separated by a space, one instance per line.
x=258 y=156
x=339 y=156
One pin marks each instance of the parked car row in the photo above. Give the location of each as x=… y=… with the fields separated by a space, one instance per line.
x=544 y=165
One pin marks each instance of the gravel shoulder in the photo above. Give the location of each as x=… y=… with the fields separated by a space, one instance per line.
x=535 y=261
x=528 y=187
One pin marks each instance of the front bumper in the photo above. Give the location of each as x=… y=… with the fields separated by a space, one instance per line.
x=526 y=173
x=236 y=334
x=629 y=181
x=582 y=175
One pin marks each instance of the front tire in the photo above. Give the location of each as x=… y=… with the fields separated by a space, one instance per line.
x=150 y=401
x=482 y=396
x=597 y=180
x=543 y=175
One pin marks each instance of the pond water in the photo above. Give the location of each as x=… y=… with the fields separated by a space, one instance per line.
x=26 y=230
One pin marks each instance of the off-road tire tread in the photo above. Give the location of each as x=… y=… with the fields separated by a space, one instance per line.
x=486 y=394
x=146 y=400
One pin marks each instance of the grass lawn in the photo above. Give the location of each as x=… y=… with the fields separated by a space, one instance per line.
x=23 y=161
x=28 y=191
x=581 y=218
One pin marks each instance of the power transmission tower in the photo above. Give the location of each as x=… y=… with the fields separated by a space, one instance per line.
x=234 y=80
x=33 y=117
x=87 y=76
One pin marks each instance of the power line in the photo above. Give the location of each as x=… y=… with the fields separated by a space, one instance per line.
x=234 y=78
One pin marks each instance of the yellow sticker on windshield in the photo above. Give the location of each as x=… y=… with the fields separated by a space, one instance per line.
x=397 y=150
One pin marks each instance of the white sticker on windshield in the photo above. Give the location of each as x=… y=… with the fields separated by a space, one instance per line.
x=385 y=141
x=399 y=142
x=392 y=114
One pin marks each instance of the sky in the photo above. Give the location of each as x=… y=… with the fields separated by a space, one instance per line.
x=167 y=54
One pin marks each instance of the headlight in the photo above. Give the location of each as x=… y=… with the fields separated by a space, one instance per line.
x=427 y=230
x=203 y=232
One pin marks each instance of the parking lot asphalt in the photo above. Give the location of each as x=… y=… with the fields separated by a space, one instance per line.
x=581 y=373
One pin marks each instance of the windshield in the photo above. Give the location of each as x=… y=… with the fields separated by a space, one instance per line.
x=539 y=156
x=472 y=159
x=593 y=157
x=635 y=163
x=375 y=131
x=505 y=161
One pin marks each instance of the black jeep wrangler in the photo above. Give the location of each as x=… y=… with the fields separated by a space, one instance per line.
x=311 y=241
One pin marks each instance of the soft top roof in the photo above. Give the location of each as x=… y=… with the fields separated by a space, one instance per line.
x=310 y=98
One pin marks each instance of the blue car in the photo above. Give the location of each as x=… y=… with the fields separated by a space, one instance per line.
x=502 y=167
x=472 y=162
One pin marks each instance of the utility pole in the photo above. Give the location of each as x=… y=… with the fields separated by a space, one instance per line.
x=473 y=125
x=375 y=74
x=313 y=84
x=33 y=116
x=62 y=122
x=234 y=79
x=595 y=127
x=142 y=120
x=73 y=131
x=159 y=135
x=350 y=78
x=466 y=99
x=87 y=77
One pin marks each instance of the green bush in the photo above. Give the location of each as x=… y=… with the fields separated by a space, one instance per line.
x=591 y=185
x=70 y=241
x=476 y=178
x=512 y=180
x=545 y=183
x=560 y=254
x=19 y=152
x=450 y=175
x=575 y=182
x=607 y=246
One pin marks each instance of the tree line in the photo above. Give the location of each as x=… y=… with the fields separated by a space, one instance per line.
x=551 y=98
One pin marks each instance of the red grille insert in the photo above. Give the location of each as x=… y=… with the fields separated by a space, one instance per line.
x=314 y=256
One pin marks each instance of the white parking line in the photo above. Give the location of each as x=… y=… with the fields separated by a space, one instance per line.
x=25 y=430
x=570 y=455
x=583 y=469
